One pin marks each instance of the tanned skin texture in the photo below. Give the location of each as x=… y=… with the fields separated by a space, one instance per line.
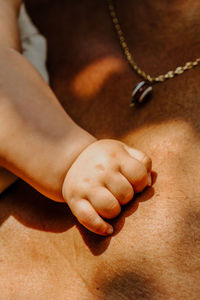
x=41 y=144
x=154 y=253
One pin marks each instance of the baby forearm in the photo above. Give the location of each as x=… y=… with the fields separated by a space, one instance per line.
x=38 y=140
x=9 y=33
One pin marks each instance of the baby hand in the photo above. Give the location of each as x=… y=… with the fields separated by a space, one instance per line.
x=103 y=177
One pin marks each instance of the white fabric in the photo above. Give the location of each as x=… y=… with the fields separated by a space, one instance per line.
x=35 y=50
x=33 y=43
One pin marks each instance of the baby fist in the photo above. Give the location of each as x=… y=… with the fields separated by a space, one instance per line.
x=103 y=177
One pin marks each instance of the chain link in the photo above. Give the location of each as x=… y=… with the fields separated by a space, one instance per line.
x=161 y=78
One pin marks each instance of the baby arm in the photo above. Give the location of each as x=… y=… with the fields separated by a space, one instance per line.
x=41 y=144
x=36 y=134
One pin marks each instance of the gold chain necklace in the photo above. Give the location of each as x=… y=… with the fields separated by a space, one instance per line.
x=144 y=88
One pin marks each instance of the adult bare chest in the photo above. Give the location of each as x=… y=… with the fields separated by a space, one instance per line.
x=94 y=84
x=93 y=81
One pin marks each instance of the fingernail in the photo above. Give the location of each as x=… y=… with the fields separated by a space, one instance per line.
x=110 y=230
x=149 y=179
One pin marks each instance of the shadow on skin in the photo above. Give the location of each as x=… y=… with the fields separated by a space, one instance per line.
x=23 y=202
x=128 y=285
x=40 y=213
x=115 y=85
x=33 y=210
x=188 y=243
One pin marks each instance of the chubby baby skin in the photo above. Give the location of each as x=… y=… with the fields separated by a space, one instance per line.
x=57 y=157
x=41 y=144
x=104 y=177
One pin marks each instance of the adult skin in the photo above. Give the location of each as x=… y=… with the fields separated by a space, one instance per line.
x=154 y=253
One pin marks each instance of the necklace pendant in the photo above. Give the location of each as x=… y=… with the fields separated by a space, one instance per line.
x=140 y=93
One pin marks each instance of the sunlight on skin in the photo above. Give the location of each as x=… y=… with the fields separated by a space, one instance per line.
x=171 y=134
x=89 y=82
x=159 y=223
x=173 y=139
x=155 y=228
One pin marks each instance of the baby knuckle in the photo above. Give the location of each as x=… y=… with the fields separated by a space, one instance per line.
x=99 y=226
x=147 y=162
x=112 y=205
x=141 y=184
x=88 y=221
x=112 y=210
x=82 y=186
x=70 y=190
x=136 y=171
x=82 y=189
x=126 y=196
x=68 y=193
x=82 y=214
x=143 y=177
x=91 y=221
x=140 y=172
